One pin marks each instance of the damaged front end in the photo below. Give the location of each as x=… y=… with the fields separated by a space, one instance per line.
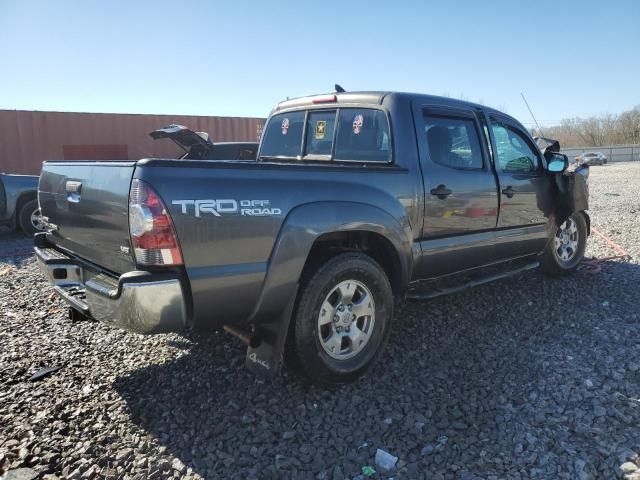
x=571 y=185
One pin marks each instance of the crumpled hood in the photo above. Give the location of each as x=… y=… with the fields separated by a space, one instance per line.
x=547 y=144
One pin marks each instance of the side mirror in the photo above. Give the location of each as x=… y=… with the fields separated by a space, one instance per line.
x=556 y=162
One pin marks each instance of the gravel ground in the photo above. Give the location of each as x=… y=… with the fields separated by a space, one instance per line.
x=526 y=378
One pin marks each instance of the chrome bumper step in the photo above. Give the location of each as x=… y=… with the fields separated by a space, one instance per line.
x=138 y=301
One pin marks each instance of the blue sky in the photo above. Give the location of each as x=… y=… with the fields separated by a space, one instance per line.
x=570 y=58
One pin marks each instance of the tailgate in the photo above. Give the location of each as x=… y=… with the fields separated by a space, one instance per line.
x=88 y=203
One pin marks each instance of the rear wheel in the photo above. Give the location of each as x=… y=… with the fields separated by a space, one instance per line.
x=565 y=249
x=343 y=318
x=30 y=219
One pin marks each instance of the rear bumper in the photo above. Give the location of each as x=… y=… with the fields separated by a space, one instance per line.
x=138 y=301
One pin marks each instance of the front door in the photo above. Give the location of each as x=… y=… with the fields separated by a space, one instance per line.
x=525 y=189
x=461 y=200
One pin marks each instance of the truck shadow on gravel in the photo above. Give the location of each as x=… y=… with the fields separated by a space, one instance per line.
x=531 y=376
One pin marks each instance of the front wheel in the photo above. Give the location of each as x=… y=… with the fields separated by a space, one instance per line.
x=30 y=219
x=565 y=249
x=343 y=319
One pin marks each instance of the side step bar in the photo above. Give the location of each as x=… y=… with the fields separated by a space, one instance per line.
x=418 y=296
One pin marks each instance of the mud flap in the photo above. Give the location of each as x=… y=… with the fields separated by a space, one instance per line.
x=265 y=351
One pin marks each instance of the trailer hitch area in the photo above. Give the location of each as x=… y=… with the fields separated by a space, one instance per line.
x=266 y=342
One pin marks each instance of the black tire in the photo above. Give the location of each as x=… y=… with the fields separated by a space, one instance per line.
x=310 y=355
x=550 y=260
x=24 y=218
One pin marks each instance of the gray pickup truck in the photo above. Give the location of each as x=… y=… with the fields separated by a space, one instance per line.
x=356 y=200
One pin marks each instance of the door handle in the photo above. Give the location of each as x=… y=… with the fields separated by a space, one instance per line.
x=509 y=191
x=441 y=191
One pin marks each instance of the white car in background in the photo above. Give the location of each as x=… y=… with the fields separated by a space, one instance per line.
x=592 y=158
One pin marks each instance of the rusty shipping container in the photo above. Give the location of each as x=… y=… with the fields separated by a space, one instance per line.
x=27 y=138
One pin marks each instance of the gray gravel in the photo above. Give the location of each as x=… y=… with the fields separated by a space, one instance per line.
x=525 y=378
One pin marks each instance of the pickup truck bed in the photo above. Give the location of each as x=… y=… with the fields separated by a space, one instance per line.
x=227 y=258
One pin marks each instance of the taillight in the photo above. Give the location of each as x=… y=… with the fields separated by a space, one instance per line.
x=153 y=237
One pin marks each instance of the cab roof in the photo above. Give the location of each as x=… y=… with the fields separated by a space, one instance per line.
x=372 y=97
x=376 y=98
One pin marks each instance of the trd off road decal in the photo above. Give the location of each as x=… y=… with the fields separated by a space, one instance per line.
x=227 y=206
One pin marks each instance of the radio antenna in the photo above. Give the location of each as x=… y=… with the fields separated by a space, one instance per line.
x=532 y=116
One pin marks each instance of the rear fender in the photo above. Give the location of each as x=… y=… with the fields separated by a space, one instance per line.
x=16 y=191
x=15 y=208
x=302 y=227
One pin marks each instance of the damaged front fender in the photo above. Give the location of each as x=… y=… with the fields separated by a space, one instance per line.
x=572 y=195
x=571 y=187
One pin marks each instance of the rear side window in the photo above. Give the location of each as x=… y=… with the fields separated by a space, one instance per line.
x=453 y=142
x=283 y=137
x=363 y=135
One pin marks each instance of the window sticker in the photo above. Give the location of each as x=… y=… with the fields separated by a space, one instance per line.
x=358 y=121
x=285 y=126
x=321 y=128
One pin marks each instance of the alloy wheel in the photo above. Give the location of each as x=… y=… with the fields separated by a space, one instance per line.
x=36 y=220
x=346 y=320
x=566 y=241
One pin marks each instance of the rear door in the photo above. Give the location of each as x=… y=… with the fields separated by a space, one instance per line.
x=525 y=189
x=461 y=200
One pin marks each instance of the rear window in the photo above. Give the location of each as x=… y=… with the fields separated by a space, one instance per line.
x=343 y=134
x=283 y=137
x=320 y=127
x=363 y=135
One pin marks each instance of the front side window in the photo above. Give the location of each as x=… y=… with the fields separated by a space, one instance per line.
x=513 y=152
x=453 y=141
x=363 y=135
x=283 y=137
